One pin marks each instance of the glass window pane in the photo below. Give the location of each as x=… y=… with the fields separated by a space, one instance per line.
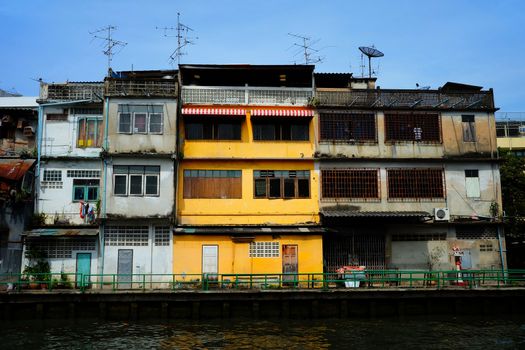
x=289 y=188
x=91 y=133
x=228 y=131
x=275 y=188
x=152 y=169
x=78 y=193
x=124 y=123
x=194 y=131
x=121 y=184
x=139 y=123
x=207 y=131
x=136 y=169
x=303 y=188
x=286 y=133
x=151 y=185
x=264 y=131
x=155 y=123
x=300 y=132
x=260 y=188
x=135 y=184
x=81 y=141
x=92 y=193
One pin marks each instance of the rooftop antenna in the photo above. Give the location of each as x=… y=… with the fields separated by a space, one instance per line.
x=183 y=39
x=110 y=43
x=306 y=48
x=370 y=52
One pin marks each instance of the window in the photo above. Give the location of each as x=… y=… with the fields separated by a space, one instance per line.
x=347 y=127
x=140 y=119
x=350 y=183
x=62 y=248
x=89 y=132
x=126 y=235
x=84 y=173
x=423 y=127
x=212 y=130
x=212 y=184
x=469 y=128
x=476 y=232
x=85 y=190
x=162 y=235
x=472 y=183
x=406 y=237
x=136 y=180
x=486 y=248
x=281 y=183
x=56 y=117
x=281 y=130
x=415 y=184
x=264 y=250
x=52 y=175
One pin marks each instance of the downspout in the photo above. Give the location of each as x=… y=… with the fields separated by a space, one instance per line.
x=500 y=243
x=105 y=165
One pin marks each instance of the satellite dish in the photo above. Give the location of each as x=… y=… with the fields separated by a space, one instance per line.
x=370 y=52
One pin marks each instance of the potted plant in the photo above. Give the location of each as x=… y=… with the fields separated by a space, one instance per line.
x=37 y=269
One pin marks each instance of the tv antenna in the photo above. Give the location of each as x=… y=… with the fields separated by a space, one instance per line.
x=370 y=52
x=306 y=48
x=183 y=39
x=110 y=44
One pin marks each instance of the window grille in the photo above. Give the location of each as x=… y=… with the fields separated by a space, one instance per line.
x=62 y=248
x=424 y=127
x=350 y=183
x=162 y=235
x=56 y=117
x=406 y=237
x=476 y=232
x=86 y=111
x=53 y=175
x=348 y=127
x=51 y=184
x=486 y=248
x=126 y=235
x=415 y=184
x=84 y=174
x=264 y=249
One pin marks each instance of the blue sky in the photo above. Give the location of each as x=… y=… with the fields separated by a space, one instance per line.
x=426 y=42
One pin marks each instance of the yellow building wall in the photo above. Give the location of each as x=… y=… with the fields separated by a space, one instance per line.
x=248 y=210
x=247 y=148
x=511 y=142
x=233 y=257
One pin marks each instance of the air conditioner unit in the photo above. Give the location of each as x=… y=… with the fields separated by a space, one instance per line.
x=441 y=214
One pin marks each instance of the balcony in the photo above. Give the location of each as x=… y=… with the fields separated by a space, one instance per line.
x=141 y=88
x=72 y=91
x=262 y=96
x=407 y=99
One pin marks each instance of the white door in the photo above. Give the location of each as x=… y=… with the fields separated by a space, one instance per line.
x=210 y=255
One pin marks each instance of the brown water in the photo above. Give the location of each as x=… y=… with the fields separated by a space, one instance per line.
x=420 y=333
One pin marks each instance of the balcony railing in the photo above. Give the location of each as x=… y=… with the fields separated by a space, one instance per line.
x=264 y=96
x=141 y=88
x=406 y=99
x=71 y=91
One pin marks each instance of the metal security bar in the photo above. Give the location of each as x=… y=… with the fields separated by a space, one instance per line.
x=246 y=95
x=72 y=91
x=422 y=127
x=149 y=88
x=350 y=183
x=415 y=184
x=347 y=127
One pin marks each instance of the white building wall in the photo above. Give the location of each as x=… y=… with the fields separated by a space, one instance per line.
x=56 y=199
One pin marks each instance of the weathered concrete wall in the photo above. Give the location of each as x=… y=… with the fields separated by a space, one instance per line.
x=143 y=143
x=15 y=218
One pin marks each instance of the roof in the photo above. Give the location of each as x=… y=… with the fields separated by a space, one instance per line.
x=248 y=230
x=145 y=74
x=61 y=232
x=373 y=214
x=18 y=102
x=14 y=169
x=451 y=86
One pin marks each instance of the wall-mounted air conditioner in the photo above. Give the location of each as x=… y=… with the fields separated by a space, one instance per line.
x=441 y=214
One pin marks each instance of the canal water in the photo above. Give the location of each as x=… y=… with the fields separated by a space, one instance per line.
x=414 y=333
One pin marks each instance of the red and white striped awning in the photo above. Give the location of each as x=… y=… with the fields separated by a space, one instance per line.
x=213 y=111
x=283 y=112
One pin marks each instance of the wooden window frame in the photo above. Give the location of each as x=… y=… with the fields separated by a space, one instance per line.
x=234 y=176
x=282 y=181
x=97 y=143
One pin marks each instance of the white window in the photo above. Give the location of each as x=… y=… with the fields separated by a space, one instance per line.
x=124 y=123
x=140 y=123
x=84 y=174
x=162 y=235
x=264 y=249
x=472 y=183
x=126 y=235
x=136 y=180
x=52 y=175
x=155 y=123
x=141 y=119
x=62 y=248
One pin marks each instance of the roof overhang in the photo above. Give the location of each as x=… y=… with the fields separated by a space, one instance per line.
x=353 y=214
x=14 y=169
x=61 y=232
x=248 y=232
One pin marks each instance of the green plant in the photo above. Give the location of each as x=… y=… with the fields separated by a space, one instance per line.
x=37 y=268
x=38 y=220
x=97 y=207
x=494 y=209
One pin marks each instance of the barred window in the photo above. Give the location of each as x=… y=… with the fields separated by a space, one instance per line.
x=52 y=175
x=264 y=249
x=412 y=127
x=162 y=235
x=126 y=235
x=476 y=232
x=84 y=174
x=406 y=237
x=415 y=184
x=347 y=127
x=350 y=183
x=62 y=248
x=486 y=248
x=90 y=111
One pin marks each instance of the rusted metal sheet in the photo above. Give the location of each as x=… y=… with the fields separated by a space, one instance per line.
x=55 y=232
x=374 y=214
x=15 y=169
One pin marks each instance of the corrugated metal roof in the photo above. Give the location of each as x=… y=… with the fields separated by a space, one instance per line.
x=248 y=230
x=374 y=214
x=18 y=102
x=14 y=169
x=61 y=232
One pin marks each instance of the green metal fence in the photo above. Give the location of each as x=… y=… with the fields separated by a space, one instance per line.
x=376 y=279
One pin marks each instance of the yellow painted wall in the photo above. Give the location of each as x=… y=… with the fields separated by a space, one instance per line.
x=249 y=210
x=234 y=257
x=247 y=148
x=511 y=142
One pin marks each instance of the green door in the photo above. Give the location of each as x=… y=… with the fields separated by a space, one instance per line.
x=83 y=266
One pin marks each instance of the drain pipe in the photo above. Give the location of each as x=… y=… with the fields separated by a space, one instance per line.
x=105 y=166
x=500 y=243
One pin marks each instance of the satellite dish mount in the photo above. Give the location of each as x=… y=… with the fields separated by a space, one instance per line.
x=370 y=52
